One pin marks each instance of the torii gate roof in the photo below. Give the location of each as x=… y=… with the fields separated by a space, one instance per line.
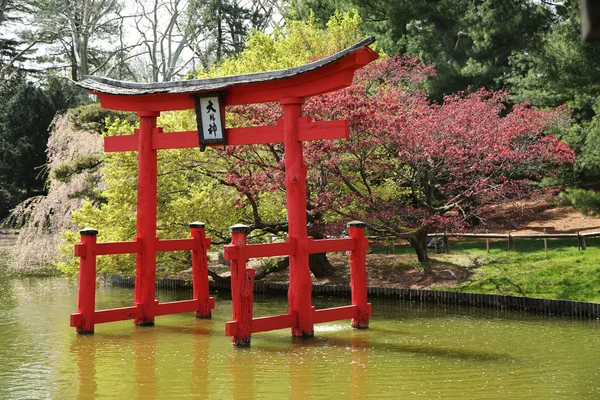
x=325 y=75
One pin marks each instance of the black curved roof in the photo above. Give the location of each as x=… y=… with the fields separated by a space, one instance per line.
x=124 y=88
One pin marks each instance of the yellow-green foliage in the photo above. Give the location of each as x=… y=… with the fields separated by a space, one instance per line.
x=184 y=196
x=185 y=193
x=296 y=44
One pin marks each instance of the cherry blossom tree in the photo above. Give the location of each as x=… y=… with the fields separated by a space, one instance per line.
x=410 y=166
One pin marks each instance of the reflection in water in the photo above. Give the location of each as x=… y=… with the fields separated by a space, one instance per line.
x=200 y=367
x=360 y=368
x=83 y=350
x=420 y=351
x=144 y=350
x=133 y=364
x=241 y=365
x=300 y=377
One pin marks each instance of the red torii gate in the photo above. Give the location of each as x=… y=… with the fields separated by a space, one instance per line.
x=288 y=87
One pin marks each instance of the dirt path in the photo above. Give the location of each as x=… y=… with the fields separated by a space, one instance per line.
x=535 y=217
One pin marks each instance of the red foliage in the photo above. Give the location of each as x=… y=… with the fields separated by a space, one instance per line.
x=409 y=163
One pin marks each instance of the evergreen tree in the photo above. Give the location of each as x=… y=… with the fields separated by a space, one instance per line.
x=470 y=41
x=10 y=52
x=26 y=112
x=224 y=26
x=564 y=70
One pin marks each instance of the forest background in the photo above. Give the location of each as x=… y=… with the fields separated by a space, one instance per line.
x=487 y=102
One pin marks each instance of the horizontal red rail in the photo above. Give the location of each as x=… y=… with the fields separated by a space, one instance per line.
x=307 y=130
x=274 y=322
x=335 y=314
x=282 y=321
x=175 y=307
x=115 y=314
x=125 y=313
x=288 y=249
x=116 y=248
x=264 y=324
x=102 y=316
x=106 y=248
x=331 y=245
x=268 y=250
x=176 y=244
x=259 y=250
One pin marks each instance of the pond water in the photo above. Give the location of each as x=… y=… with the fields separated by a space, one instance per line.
x=409 y=351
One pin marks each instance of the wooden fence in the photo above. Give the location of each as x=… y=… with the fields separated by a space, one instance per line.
x=580 y=237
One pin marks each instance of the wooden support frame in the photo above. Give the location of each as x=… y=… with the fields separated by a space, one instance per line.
x=243 y=324
x=233 y=136
x=88 y=249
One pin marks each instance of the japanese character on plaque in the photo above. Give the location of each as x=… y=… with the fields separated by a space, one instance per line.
x=209 y=119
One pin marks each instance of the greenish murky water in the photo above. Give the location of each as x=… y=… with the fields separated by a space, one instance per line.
x=409 y=351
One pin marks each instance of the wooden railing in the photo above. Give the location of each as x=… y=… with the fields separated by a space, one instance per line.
x=581 y=244
x=89 y=249
x=243 y=323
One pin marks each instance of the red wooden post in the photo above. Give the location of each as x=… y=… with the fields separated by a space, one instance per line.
x=200 y=271
x=86 y=296
x=145 y=273
x=242 y=287
x=300 y=290
x=358 y=273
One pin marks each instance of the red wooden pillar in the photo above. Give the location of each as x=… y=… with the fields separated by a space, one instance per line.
x=145 y=270
x=200 y=271
x=86 y=296
x=358 y=273
x=242 y=288
x=300 y=290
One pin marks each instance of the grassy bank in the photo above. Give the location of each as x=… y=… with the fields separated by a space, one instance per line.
x=564 y=272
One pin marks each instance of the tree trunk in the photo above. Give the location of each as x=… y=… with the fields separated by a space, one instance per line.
x=418 y=240
x=320 y=265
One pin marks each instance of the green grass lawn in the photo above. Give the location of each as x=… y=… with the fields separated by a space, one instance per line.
x=564 y=272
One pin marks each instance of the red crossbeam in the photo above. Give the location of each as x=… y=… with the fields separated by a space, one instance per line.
x=282 y=321
x=105 y=248
x=115 y=314
x=308 y=130
x=268 y=250
x=176 y=307
x=272 y=323
x=117 y=248
x=264 y=324
x=103 y=316
x=337 y=313
x=108 y=248
x=331 y=245
x=125 y=313
x=258 y=250
x=287 y=248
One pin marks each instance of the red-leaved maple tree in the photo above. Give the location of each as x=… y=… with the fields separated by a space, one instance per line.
x=410 y=166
